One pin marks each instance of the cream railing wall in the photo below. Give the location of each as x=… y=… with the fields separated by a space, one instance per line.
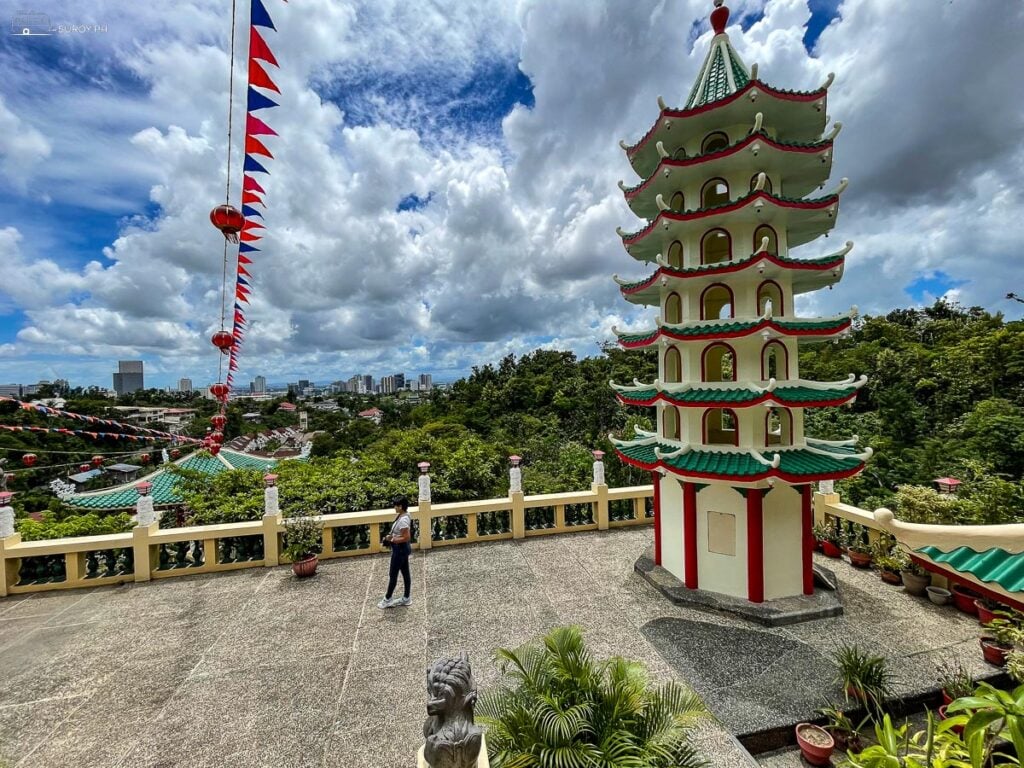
x=149 y=552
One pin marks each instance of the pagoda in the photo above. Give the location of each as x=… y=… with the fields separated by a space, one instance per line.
x=728 y=187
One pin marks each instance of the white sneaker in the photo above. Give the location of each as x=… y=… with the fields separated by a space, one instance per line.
x=385 y=603
x=404 y=601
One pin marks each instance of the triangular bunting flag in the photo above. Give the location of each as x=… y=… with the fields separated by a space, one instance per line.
x=258 y=49
x=243 y=281
x=248 y=210
x=258 y=75
x=243 y=259
x=252 y=166
x=241 y=297
x=244 y=248
x=256 y=100
x=254 y=146
x=249 y=237
x=256 y=127
x=259 y=16
x=243 y=271
x=249 y=183
x=248 y=226
x=251 y=198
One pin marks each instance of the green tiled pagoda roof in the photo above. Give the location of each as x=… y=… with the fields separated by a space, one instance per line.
x=721 y=60
x=241 y=461
x=795 y=463
x=741 y=396
x=993 y=566
x=715 y=329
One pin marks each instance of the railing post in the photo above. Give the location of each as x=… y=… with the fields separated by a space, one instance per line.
x=145 y=524
x=426 y=541
x=271 y=521
x=515 y=494
x=7 y=538
x=825 y=496
x=600 y=487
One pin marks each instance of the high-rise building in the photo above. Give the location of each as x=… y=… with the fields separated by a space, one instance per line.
x=355 y=383
x=723 y=196
x=10 y=390
x=129 y=377
x=304 y=384
x=259 y=385
x=426 y=382
x=184 y=385
x=367 y=384
x=399 y=382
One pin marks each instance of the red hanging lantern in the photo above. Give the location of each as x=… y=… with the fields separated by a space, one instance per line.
x=29 y=459
x=83 y=468
x=217 y=437
x=214 y=449
x=97 y=461
x=228 y=220
x=223 y=341
x=144 y=458
x=219 y=420
x=175 y=453
x=219 y=390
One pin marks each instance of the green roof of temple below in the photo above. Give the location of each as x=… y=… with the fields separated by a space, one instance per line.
x=992 y=566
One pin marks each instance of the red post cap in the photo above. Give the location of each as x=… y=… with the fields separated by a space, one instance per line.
x=270 y=480
x=5 y=498
x=144 y=488
x=515 y=460
x=719 y=17
x=424 y=466
x=598 y=455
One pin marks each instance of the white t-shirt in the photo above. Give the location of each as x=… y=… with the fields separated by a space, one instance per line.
x=403 y=523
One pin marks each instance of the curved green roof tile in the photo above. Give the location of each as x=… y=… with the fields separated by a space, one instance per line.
x=993 y=566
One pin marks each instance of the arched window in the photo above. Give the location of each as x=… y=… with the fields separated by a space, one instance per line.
x=671 y=421
x=714 y=142
x=716 y=302
x=673 y=366
x=679 y=154
x=715 y=246
x=715 y=192
x=677 y=202
x=774 y=361
x=673 y=309
x=778 y=427
x=773 y=241
x=720 y=427
x=675 y=255
x=767 y=183
x=719 y=363
x=769 y=290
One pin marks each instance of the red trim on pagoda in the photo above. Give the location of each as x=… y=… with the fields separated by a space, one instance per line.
x=704 y=425
x=769 y=472
x=732 y=301
x=776 y=311
x=809 y=205
x=755 y=545
x=807 y=538
x=690 y=535
x=785 y=358
x=704 y=362
x=731 y=267
x=767 y=397
x=677 y=114
x=656 y=478
x=669 y=162
x=954 y=576
x=839 y=327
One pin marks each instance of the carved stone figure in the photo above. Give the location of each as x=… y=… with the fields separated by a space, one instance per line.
x=453 y=741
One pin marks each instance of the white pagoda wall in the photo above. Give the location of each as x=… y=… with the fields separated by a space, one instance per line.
x=671 y=515
x=717 y=572
x=783 y=536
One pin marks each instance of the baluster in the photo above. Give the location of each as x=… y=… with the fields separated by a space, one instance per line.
x=181 y=548
x=110 y=561
x=165 y=558
x=91 y=565
x=129 y=560
x=58 y=568
x=197 y=554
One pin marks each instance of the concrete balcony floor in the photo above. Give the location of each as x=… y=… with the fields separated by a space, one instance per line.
x=255 y=668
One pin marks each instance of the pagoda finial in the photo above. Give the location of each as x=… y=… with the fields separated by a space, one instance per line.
x=719 y=17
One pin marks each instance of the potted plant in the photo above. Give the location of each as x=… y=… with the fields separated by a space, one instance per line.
x=963 y=599
x=1003 y=635
x=889 y=567
x=833 y=542
x=954 y=681
x=864 y=677
x=915 y=579
x=989 y=610
x=816 y=744
x=303 y=541
x=860 y=553
x=847 y=735
x=820 y=531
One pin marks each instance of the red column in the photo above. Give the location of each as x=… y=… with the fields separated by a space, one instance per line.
x=807 y=538
x=690 y=534
x=656 y=478
x=755 y=545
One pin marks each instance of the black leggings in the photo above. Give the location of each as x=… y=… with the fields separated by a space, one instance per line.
x=399 y=564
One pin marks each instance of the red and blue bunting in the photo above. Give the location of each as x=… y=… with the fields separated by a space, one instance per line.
x=252 y=232
x=147 y=434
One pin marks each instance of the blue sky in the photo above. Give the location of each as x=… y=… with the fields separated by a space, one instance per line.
x=443 y=190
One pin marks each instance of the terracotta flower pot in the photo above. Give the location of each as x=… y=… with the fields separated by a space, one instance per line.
x=815 y=743
x=946 y=700
x=860 y=559
x=963 y=599
x=993 y=652
x=890 y=577
x=305 y=568
x=831 y=550
x=957 y=729
x=914 y=584
x=985 y=614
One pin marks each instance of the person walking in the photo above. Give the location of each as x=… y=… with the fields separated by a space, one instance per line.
x=400 y=540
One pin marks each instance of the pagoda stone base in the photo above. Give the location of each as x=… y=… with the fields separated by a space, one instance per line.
x=771 y=613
